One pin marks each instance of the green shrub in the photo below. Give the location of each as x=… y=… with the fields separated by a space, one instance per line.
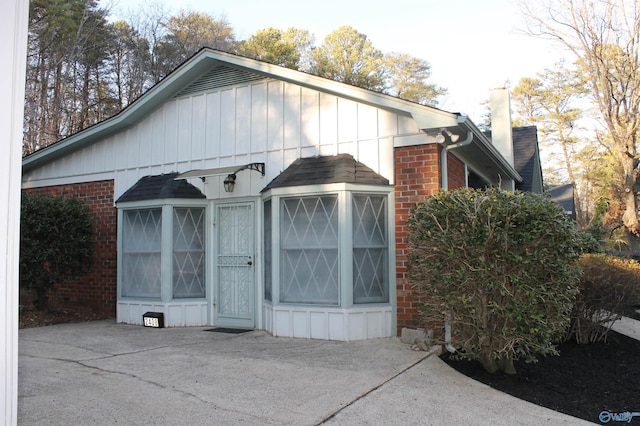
x=609 y=287
x=56 y=243
x=502 y=266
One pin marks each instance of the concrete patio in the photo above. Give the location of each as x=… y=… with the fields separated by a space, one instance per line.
x=106 y=373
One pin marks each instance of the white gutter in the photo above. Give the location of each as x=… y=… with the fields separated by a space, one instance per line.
x=445 y=187
x=443 y=158
x=485 y=144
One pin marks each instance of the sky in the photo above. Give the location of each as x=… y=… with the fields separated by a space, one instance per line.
x=473 y=46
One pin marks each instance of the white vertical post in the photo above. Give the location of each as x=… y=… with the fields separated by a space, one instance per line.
x=13 y=42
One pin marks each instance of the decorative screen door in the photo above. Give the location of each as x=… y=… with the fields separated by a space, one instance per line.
x=235 y=305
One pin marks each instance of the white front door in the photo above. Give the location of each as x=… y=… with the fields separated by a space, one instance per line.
x=235 y=297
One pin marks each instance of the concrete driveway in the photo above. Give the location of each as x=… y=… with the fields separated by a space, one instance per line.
x=102 y=373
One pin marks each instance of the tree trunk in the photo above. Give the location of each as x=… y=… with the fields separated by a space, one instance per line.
x=506 y=365
x=580 y=216
x=489 y=363
x=492 y=364
x=630 y=216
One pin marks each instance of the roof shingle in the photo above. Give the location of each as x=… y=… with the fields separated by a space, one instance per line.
x=341 y=168
x=159 y=187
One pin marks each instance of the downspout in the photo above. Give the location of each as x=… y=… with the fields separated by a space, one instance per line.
x=443 y=159
x=447 y=332
x=445 y=186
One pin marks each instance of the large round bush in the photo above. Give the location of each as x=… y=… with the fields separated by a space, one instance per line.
x=500 y=266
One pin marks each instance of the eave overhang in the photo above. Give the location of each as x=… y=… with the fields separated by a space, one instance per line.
x=484 y=156
x=480 y=155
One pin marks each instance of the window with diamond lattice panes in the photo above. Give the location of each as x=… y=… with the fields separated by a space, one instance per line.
x=370 y=249
x=309 y=250
x=188 y=252
x=141 y=257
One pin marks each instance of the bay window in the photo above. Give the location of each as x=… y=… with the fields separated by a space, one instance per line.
x=163 y=252
x=327 y=246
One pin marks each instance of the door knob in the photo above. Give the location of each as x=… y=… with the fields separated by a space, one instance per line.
x=249 y=263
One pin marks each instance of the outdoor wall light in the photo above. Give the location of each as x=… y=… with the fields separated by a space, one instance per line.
x=229 y=182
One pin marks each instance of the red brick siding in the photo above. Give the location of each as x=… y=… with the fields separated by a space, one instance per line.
x=96 y=291
x=417 y=175
x=456 y=176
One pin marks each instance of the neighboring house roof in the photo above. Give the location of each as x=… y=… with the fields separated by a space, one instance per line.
x=209 y=69
x=526 y=158
x=342 y=168
x=564 y=197
x=159 y=187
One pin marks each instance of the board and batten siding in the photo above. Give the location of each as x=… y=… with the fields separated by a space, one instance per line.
x=268 y=121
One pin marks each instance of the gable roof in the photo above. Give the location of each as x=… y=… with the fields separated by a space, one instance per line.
x=210 y=68
x=526 y=158
x=159 y=187
x=341 y=168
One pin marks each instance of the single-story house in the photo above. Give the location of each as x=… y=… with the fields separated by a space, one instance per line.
x=238 y=193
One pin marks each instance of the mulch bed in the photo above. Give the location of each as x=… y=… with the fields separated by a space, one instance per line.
x=583 y=381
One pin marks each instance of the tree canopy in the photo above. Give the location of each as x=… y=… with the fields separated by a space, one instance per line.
x=348 y=56
x=289 y=48
x=407 y=78
x=187 y=33
x=549 y=101
x=604 y=35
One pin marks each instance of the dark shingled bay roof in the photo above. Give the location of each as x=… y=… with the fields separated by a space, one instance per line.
x=341 y=168
x=160 y=186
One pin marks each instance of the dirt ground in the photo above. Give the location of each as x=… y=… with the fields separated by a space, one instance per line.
x=583 y=381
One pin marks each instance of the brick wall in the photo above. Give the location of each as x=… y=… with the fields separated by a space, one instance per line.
x=455 y=172
x=96 y=291
x=417 y=175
